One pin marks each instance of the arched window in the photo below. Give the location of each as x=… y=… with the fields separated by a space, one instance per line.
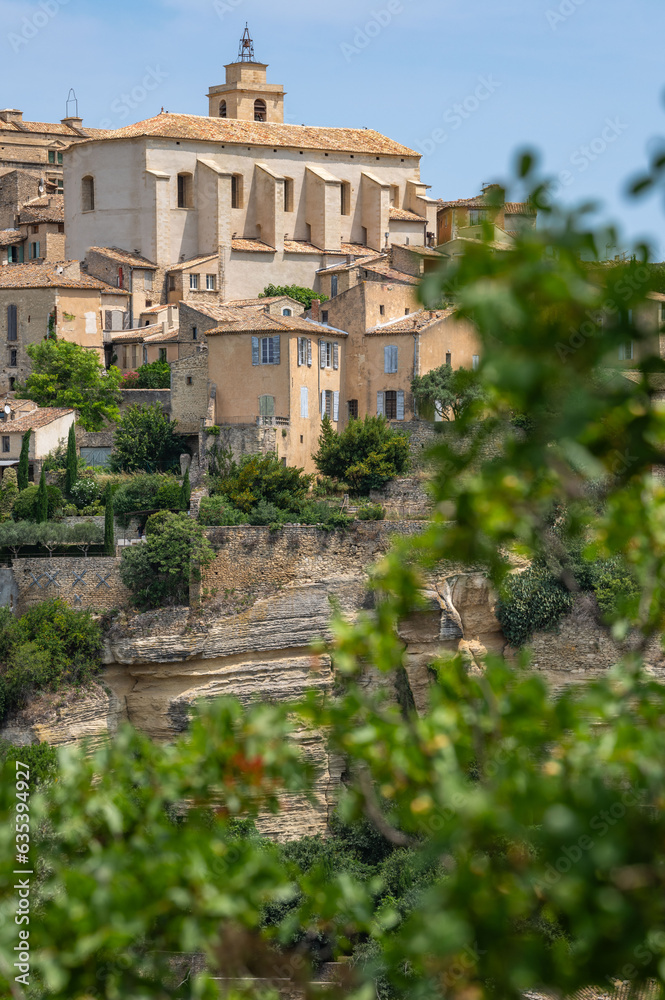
x=260 y=113
x=88 y=194
x=287 y=312
x=236 y=191
x=222 y=109
x=184 y=190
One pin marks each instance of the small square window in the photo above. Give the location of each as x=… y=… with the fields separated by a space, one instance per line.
x=189 y=380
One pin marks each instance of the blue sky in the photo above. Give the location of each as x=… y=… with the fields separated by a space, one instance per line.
x=465 y=81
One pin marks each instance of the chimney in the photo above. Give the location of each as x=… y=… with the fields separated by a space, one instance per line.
x=73 y=122
x=316 y=309
x=11 y=115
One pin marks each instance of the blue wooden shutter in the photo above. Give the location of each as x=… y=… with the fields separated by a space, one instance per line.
x=380 y=404
x=275 y=350
x=309 y=353
x=21 y=254
x=400 y=404
x=322 y=353
x=304 y=402
x=323 y=404
x=335 y=406
x=386 y=359
x=394 y=358
x=335 y=355
x=255 y=351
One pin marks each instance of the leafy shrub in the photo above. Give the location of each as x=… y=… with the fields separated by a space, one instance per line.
x=263 y=477
x=297 y=292
x=49 y=646
x=25 y=506
x=217 y=511
x=156 y=375
x=41 y=759
x=366 y=454
x=159 y=571
x=617 y=592
x=86 y=490
x=8 y=493
x=371 y=512
x=532 y=601
x=145 y=494
x=145 y=439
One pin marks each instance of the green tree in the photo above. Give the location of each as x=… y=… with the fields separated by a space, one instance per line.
x=144 y=494
x=26 y=504
x=23 y=462
x=159 y=571
x=304 y=295
x=156 y=375
x=145 y=441
x=366 y=454
x=72 y=462
x=41 y=509
x=109 y=523
x=186 y=490
x=65 y=374
x=8 y=493
x=447 y=391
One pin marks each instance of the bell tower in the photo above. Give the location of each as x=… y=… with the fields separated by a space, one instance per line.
x=246 y=95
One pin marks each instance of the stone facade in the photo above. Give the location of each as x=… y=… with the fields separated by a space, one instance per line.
x=83 y=583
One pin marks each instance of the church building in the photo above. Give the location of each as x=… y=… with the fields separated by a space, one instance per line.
x=271 y=202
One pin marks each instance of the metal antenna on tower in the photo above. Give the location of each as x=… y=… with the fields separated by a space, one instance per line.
x=72 y=99
x=246 y=50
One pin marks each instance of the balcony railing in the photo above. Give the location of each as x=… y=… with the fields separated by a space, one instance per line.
x=273 y=421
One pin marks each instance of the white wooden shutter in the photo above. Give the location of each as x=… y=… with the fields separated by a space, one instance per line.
x=255 y=351
x=322 y=353
x=323 y=404
x=335 y=356
x=304 y=402
x=400 y=404
x=380 y=404
x=335 y=406
x=309 y=353
x=275 y=350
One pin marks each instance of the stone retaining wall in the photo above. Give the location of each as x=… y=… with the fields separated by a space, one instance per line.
x=82 y=583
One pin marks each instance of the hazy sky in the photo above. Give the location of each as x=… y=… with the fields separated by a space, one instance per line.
x=464 y=81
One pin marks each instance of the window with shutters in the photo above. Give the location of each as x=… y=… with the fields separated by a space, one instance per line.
x=265 y=350
x=390 y=359
x=34 y=251
x=267 y=406
x=327 y=404
x=288 y=194
x=15 y=254
x=12 y=322
x=193 y=282
x=352 y=407
x=185 y=191
x=51 y=156
x=626 y=351
x=6 y=444
x=329 y=354
x=304 y=402
x=304 y=352
x=88 y=194
x=236 y=191
x=60 y=158
x=391 y=404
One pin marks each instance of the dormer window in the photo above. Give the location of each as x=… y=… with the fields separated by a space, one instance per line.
x=260 y=111
x=222 y=109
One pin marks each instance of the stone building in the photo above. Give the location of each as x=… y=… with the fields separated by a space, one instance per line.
x=41 y=300
x=465 y=218
x=129 y=271
x=274 y=202
x=49 y=426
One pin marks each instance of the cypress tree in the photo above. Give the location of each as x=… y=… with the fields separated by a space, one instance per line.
x=109 y=532
x=186 y=491
x=42 y=500
x=23 y=462
x=71 y=474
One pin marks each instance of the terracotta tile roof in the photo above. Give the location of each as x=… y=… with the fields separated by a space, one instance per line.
x=37 y=418
x=30 y=214
x=419 y=251
x=136 y=336
x=355 y=249
x=54 y=128
x=519 y=208
x=183 y=265
x=476 y=202
x=257 y=321
x=413 y=323
x=402 y=215
x=9 y=236
x=301 y=246
x=166 y=336
x=259 y=303
x=359 y=262
x=233 y=131
x=124 y=257
x=384 y=268
x=46 y=201
x=251 y=246
x=158 y=308
x=46 y=276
